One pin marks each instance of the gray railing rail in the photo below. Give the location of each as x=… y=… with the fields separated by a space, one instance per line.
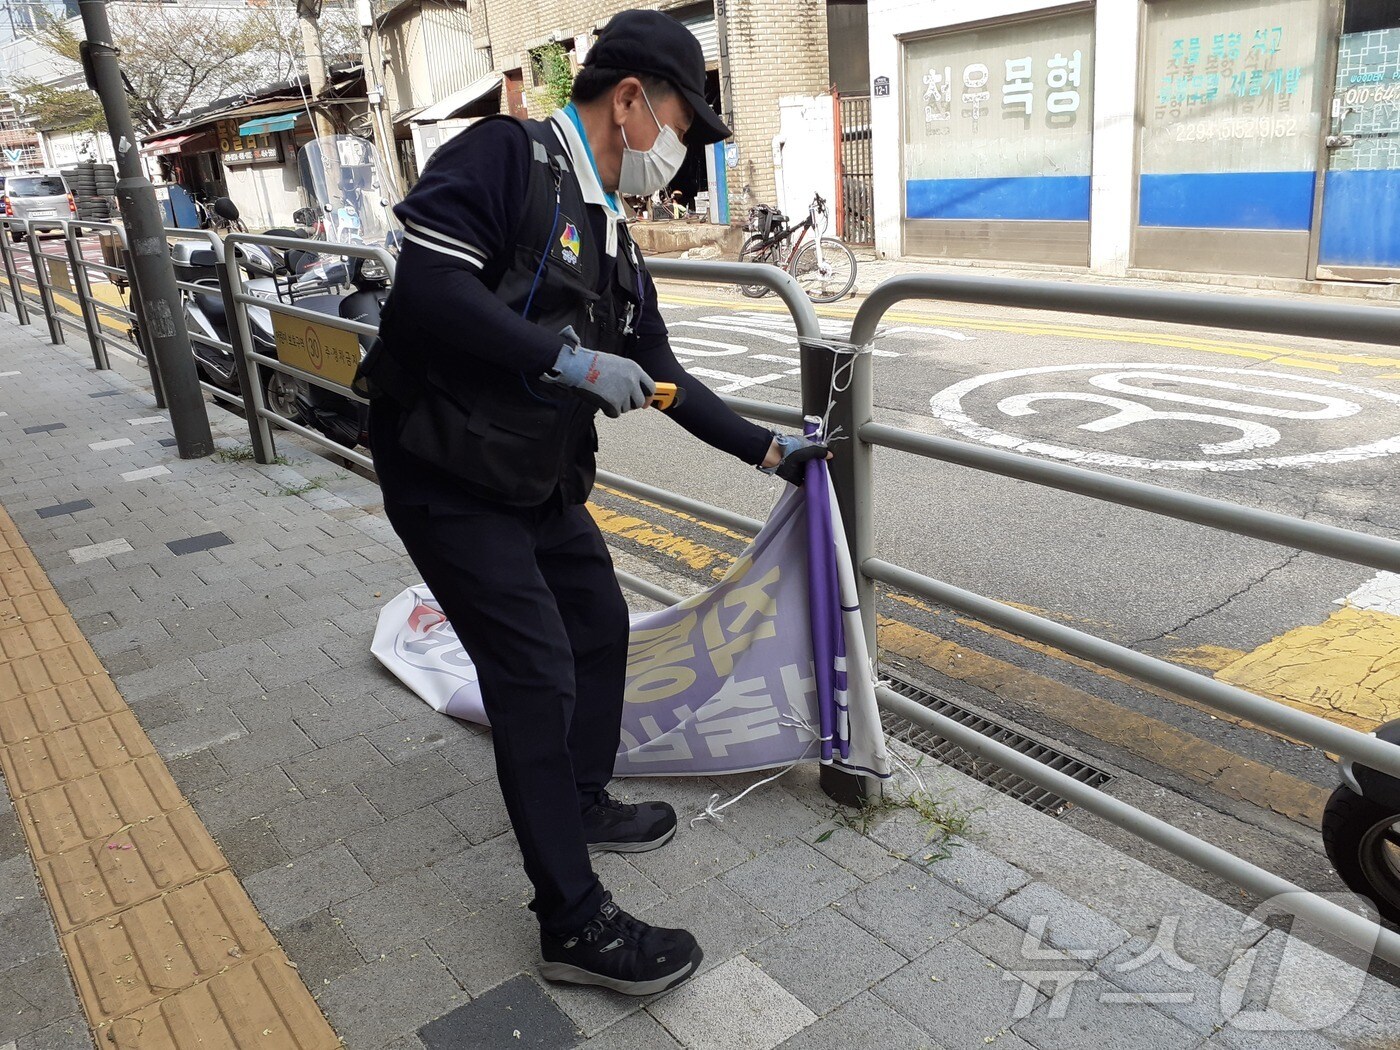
x=836 y=383
x=1364 y=324
x=7 y=253
x=260 y=416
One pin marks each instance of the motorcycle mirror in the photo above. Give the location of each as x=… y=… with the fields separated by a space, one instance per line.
x=226 y=209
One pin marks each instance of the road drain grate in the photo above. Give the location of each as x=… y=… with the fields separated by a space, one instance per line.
x=979 y=768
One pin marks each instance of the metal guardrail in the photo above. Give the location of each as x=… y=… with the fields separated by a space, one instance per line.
x=260 y=416
x=836 y=383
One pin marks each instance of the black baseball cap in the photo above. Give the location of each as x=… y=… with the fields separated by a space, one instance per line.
x=655 y=43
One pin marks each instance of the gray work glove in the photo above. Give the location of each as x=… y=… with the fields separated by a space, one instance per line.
x=797 y=452
x=611 y=383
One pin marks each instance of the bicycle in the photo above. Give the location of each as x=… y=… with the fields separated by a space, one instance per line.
x=823 y=266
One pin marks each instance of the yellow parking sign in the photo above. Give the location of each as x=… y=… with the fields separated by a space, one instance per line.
x=320 y=349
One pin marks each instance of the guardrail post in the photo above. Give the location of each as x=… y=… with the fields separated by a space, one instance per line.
x=139 y=327
x=249 y=376
x=846 y=403
x=92 y=324
x=7 y=254
x=45 y=291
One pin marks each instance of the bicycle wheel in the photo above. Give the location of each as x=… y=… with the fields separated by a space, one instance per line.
x=749 y=253
x=833 y=278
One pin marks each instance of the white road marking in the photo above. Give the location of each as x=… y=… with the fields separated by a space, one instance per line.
x=1381 y=593
x=692 y=346
x=777 y=359
x=98 y=550
x=947 y=407
x=103 y=446
x=144 y=473
x=6 y=375
x=733 y=382
x=716 y=326
x=145 y=420
x=1331 y=407
x=946 y=333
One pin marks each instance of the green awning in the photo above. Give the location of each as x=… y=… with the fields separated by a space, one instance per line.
x=267 y=125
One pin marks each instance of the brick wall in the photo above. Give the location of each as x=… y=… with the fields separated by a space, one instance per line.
x=776 y=48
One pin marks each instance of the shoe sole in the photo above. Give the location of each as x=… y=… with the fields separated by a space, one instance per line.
x=565 y=973
x=631 y=847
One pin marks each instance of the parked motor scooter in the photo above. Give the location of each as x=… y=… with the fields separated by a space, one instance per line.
x=300 y=276
x=1361 y=830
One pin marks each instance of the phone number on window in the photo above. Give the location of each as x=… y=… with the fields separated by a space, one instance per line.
x=1245 y=128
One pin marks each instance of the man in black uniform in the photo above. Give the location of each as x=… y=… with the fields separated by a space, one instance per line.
x=520 y=307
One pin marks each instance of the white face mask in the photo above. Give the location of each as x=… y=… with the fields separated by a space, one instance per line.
x=645 y=172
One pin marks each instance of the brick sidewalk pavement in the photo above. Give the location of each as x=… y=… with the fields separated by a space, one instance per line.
x=233 y=604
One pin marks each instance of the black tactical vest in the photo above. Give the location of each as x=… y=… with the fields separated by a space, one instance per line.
x=506 y=435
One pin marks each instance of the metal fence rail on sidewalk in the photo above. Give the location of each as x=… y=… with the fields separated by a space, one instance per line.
x=837 y=385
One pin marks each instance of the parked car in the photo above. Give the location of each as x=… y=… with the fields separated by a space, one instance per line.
x=38 y=197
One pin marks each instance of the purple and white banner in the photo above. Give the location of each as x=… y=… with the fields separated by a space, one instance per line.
x=766 y=668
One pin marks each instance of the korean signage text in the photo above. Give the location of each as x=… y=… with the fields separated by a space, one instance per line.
x=247 y=149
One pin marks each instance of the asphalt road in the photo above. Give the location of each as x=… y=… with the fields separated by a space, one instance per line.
x=1299 y=426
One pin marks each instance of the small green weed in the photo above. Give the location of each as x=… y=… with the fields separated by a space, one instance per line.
x=942 y=820
x=245 y=454
x=299 y=490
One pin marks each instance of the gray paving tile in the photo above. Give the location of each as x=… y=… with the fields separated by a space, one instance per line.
x=306 y=885
x=1076 y=1018
x=195 y=772
x=758 y=1013
x=41 y=986
x=957 y=994
x=825 y=960
x=259 y=749
x=488 y=874
x=1061 y=921
x=909 y=911
x=389 y=998
x=328 y=816
x=864 y=1023
x=336 y=721
x=694 y=856
x=68 y=1033
x=516 y=1014
x=27 y=931
x=855 y=852
x=335 y=766
x=401 y=910
x=251 y=847
x=478 y=812
x=637 y=1031
x=486 y=947
x=790 y=882
x=413 y=840
x=18 y=886
x=211 y=727
x=723 y=923
x=319 y=947
x=243 y=797
x=978 y=873
x=415 y=782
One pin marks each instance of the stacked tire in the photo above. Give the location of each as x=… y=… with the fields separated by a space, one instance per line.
x=93 y=186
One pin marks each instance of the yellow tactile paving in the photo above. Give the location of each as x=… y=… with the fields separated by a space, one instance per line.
x=166 y=949
x=19 y=580
x=57 y=708
x=135 y=958
x=66 y=816
x=30 y=674
x=30 y=607
x=72 y=753
x=252 y=1007
x=132 y=865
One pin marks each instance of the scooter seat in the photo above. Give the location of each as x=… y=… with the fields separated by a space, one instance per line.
x=211 y=304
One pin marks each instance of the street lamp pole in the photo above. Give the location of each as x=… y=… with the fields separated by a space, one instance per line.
x=164 y=317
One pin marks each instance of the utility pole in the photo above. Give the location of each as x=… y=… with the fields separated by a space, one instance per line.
x=164 y=318
x=309 y=15
x=374 y=89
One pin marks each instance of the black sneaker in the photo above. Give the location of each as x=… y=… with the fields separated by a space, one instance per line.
x=622 y=828
x=614 y=950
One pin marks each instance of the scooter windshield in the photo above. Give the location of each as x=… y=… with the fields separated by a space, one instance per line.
x=351 y=189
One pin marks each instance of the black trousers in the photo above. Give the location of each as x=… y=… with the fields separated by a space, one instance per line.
x=532 y=596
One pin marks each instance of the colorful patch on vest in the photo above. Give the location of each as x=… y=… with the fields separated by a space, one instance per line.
x=569 y=243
